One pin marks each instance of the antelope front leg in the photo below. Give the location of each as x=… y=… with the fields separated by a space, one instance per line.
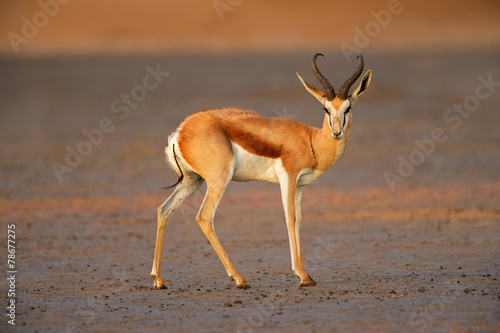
x=291 y=196
x=298 y=219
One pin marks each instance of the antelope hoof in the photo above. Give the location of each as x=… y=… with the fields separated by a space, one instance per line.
x=308 y=283
x=158 y=284
x=243 y=285
x=160 y=287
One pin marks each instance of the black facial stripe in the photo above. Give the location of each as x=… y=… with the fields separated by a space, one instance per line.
x=326 y=110
x=347 y=110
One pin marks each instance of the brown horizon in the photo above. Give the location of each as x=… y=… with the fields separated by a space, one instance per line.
x=223 y=26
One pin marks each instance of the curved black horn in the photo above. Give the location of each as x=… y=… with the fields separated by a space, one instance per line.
x=344 y=90
x=330 y=93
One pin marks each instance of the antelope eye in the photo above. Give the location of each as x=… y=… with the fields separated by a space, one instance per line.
x=347 y=110
x=326 y=110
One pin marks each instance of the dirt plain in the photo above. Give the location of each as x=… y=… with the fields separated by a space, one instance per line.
x=422 y=256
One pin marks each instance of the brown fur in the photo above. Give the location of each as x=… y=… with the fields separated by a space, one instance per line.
x=268 y=137
x=337 y=102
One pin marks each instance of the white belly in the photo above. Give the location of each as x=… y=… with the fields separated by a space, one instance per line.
x=248 y=166
x=308 y=176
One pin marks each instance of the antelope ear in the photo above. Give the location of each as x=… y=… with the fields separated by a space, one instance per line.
x=365 y=81
x=318 y=94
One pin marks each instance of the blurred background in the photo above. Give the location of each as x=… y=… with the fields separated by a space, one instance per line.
x=67 y=66
x=242 y=26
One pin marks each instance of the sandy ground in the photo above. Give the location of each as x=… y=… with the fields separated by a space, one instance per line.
x=423 y=256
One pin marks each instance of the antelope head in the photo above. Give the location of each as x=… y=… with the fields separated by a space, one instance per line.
x=338 y=106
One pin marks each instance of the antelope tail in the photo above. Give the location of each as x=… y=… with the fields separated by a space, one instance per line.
x=181 y=177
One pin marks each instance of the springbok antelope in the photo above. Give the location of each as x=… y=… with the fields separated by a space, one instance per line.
x=231 y=144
